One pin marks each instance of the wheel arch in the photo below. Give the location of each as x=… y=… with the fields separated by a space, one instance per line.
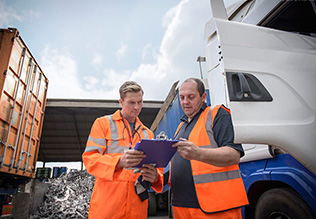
x=258 y=188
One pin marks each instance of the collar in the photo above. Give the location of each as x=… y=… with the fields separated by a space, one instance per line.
x=117 y=117
x=185 y=117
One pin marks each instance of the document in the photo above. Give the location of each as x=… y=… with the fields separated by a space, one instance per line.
x=158 y=152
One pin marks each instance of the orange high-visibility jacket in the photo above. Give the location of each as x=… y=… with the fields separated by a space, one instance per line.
x=114 y=193
x=217 y=188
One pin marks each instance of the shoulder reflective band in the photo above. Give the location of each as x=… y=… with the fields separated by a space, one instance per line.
x=114 y=132
x=114 y=146
x=93 y=148
x=99 y=141
x=216 y=177
x=145 y=133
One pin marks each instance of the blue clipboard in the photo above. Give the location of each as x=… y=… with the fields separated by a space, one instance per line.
x=157 y=152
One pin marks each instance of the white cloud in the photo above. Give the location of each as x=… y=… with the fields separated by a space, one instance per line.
x=8 y=14
x=147 y=51
x=120 y=53
x=91 y=83
x=113 y=80
x=107 y=87
x=182 y=43
x=61 y=70
x=97 y=60
x=169 y=16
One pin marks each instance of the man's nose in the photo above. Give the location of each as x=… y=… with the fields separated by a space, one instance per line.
x=185 y=100
x=138 y=105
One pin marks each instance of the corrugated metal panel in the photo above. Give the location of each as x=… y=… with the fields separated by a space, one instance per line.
x=22 y=103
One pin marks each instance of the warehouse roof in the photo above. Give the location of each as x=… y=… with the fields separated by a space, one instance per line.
x=67 y=124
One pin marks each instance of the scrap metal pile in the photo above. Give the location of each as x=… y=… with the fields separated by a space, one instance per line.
x=67 y=197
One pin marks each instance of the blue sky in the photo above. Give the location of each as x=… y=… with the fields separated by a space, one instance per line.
x=87 y=49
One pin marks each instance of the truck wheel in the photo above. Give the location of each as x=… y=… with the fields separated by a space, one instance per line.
x=282 y=203
x=152 y=205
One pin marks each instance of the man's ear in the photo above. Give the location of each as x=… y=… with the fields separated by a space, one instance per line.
x=120 y=101
x=204 y=96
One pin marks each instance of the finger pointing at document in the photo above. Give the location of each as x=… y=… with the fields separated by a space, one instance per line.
x=188 y=150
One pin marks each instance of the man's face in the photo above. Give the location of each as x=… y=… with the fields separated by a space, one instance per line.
x=190 y=99
x=132 y=105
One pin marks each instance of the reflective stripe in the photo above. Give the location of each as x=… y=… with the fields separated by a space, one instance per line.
x=93 y=148
x=216 y=177
x=110 y=149
x=208 y=125
x=116 y=149
x=209 y=131
x=114 y=132
x=145 y=133
x=99 y=141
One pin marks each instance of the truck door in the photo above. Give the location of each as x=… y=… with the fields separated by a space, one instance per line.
x=267 y=78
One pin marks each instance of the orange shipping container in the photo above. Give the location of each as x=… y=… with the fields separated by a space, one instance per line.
x=23 y=89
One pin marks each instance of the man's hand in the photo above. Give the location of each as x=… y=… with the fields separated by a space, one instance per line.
x=149 y=173
x=130 y=158
x=222 y=156
x=188 y=150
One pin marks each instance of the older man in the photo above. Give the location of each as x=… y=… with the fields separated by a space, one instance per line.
x=205 y=177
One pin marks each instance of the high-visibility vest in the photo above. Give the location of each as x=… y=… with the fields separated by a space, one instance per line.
x=217 y=188
x=117 y=138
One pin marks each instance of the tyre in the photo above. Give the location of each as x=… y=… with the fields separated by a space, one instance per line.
x=152 y=204
x=282 y=203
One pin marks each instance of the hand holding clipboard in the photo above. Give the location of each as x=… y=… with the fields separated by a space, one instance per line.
x=158 y=152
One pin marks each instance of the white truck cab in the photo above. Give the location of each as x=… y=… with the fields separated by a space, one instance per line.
x=261 y=63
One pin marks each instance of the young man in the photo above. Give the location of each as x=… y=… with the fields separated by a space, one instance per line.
x=205 y=177
x=109 y=155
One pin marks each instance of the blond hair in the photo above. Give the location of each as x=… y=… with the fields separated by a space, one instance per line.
x=130 y=86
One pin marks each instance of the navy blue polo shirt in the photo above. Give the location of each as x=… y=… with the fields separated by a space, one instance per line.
x=183 y=190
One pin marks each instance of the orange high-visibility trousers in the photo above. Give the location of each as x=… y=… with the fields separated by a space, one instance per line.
x=196 y=213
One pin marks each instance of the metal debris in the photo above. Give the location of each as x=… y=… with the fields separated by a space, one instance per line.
x=162 y=136
x=67 y=197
